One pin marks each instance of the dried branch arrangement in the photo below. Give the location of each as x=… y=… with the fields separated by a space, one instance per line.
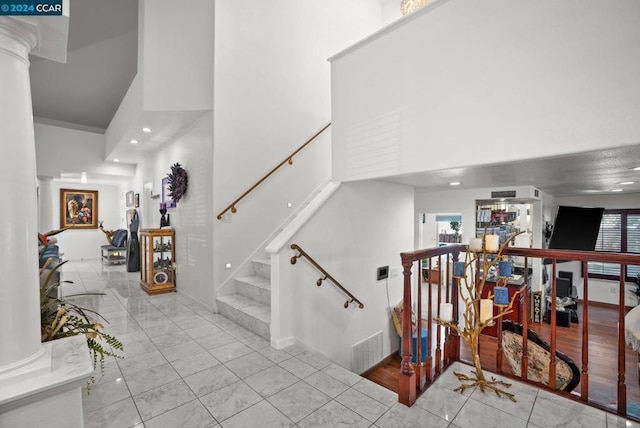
x=478 y=312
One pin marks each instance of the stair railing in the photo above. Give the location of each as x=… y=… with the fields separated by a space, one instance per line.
x=415 y=379
x=288 y=159
x=302 y=253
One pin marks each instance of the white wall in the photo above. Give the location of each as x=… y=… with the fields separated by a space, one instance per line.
x=176 y=54
x=390 y=11
x=78 y=244
x=271 y=93
x=361 y=227
x=600 y=290
x=538 y=79
x=193 y=217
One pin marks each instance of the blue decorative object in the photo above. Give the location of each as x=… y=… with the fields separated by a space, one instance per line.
x=500 y=296
x=414 y=344
x=458 y=269
x=504 y=269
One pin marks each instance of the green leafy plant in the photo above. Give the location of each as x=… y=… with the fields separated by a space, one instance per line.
x=60 y=317
x=455 y=226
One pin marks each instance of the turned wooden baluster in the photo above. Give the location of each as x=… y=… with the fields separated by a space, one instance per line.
x=622 y=387
x=438 y=329
x=453 y=339
x=552 y=346
x=421 y=377
x=407 y=379
x=584 y=376
x=525 y=323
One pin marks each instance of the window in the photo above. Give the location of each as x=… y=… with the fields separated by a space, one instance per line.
x=619 y=233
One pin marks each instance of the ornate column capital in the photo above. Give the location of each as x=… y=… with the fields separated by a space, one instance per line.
x=17 y=38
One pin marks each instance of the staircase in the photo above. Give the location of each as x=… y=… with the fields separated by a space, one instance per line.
x=251 y=305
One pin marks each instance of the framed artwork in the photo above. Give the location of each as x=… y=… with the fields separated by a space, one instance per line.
x=166 y=199
x=137 y=200
x=129 y=198
x=79 y=209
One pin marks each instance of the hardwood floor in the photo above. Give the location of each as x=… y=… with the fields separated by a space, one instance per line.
x=603 y=364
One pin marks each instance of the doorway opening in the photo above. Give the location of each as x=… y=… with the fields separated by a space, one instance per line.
x=439 y=229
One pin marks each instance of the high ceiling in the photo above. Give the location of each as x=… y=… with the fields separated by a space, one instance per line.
x=85 y=93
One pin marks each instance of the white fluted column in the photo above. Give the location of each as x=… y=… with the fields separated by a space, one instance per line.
x=45 y=204
x=19 y=293
x=36 y=380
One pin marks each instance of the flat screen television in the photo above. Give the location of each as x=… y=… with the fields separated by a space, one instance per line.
x=576 y=228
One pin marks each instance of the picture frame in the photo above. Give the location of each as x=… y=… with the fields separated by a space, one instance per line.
x=137 y=200
x=129 y=196
x=78 y=209
x=166 y=199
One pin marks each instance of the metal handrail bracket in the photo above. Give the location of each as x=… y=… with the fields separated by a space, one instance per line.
x=302 y=253
x=288 y=159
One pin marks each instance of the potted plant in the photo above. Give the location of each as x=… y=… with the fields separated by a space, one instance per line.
x=60 y=317
x=455 y=226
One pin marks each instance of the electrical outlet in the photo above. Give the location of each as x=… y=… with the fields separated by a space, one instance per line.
x=395 y=272
x=613 y=290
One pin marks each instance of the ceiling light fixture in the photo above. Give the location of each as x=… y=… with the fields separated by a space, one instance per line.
x=134 y=141
x=637 y=168
x=616 y=190
x=625 y=183
x=116 y=160
x=454 y=183
x=145 y=129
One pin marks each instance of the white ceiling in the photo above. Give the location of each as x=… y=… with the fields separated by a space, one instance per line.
x=85 y=93
x=597 y=172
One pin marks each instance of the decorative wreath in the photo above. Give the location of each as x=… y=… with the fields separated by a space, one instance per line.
x=177 y=182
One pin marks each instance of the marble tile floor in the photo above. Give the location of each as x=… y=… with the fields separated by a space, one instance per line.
x=187 y=367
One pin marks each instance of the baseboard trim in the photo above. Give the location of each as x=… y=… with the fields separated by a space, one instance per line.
x=283 y=343
x=381 y=363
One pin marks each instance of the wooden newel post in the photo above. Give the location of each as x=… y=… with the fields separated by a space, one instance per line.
x=407 y=380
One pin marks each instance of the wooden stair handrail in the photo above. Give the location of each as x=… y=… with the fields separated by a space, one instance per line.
x=326 y=276
x=288 y=159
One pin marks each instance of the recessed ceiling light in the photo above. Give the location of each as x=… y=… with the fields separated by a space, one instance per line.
x=625 y=183
x=145 y=129
x=637 y=168
x=116 y=160
x=616 y=190
x=134 y=141
x=454 y=183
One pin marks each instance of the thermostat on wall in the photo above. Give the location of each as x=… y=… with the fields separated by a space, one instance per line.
x=383 y=272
